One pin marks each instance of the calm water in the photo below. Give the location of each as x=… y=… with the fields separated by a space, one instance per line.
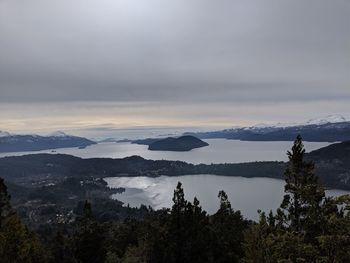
x=245 y=194
x=218 y=151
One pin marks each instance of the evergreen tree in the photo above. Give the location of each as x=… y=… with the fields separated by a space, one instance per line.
x=228 y=227
x=308 y=227
x=5 y=206
x=17 y=243
x=176 y=226
x=61 y=250
x=87 y=212
x=334 y=243
x=304 y=195
x=187 y=231
x=255 y=244
x=89 y=239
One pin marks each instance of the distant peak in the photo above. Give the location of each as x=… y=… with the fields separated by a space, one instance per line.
x=261 y=125
x=58 y=134
x=327 y=119
x=316 y=121
x=4 y=134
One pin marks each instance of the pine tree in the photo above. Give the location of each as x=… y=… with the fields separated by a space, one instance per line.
x=61 y=250
x=256 y=248
x=334 y=243
x=89 y=239
x=225 y=205
x=176 y=229
x=228 y=226
x=17 y=243
x=300 y=208
x=5 y=207
x=179 y=201
x=187 y=230
x=87 y=212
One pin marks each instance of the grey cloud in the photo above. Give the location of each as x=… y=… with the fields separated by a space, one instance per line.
x=155 y=50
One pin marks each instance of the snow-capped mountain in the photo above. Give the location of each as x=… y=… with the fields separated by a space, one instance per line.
x=316 y=121
x=276 y=125
x=328 y=119
x=329 y=129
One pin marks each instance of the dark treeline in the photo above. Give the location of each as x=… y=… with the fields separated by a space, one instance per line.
x=308 y=227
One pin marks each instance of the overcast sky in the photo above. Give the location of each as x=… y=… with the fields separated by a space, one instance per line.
x=83 y=63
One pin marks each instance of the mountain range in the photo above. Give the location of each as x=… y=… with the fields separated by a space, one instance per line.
x=330 y=129
x=20 y=143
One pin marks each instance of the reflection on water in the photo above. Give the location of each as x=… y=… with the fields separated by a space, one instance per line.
x=218 y=151
x=245 y=194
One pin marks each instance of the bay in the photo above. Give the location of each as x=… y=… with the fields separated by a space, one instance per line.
x=218 y=151
x=246 y=194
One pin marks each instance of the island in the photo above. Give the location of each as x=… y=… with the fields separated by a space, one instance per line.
x=180 y=144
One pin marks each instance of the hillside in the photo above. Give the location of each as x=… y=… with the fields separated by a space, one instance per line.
x=333 y=161
x=21 y=143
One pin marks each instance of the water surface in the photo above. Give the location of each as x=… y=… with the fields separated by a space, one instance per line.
x=218 y=151
x=245 y=194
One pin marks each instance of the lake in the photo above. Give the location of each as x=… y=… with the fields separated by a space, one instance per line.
x=245 y=194
x=218 y=151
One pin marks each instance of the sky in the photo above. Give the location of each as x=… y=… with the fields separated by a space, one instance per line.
x=84 y=64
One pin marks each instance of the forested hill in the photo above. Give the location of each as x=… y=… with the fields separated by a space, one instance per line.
x=332 y=165
x=337 y=151
x=21 y=169
x=181 y=144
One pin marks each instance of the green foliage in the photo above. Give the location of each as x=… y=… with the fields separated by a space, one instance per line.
x=308 y=227
x=228 y=227
x=187 y=230
x=5 y=207
x=17 y=243
x=61 y=249
x=304 y=194
x=89 y=239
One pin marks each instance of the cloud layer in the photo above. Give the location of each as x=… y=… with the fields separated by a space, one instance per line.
x=197 y=52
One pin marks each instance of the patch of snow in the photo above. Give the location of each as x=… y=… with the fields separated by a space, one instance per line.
x=262 y=125
x=33 y=135
x=328 y=119
x=277 y=125
x=4 y=134
x=316 y=121
x=58 y=134
x=286 y=125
